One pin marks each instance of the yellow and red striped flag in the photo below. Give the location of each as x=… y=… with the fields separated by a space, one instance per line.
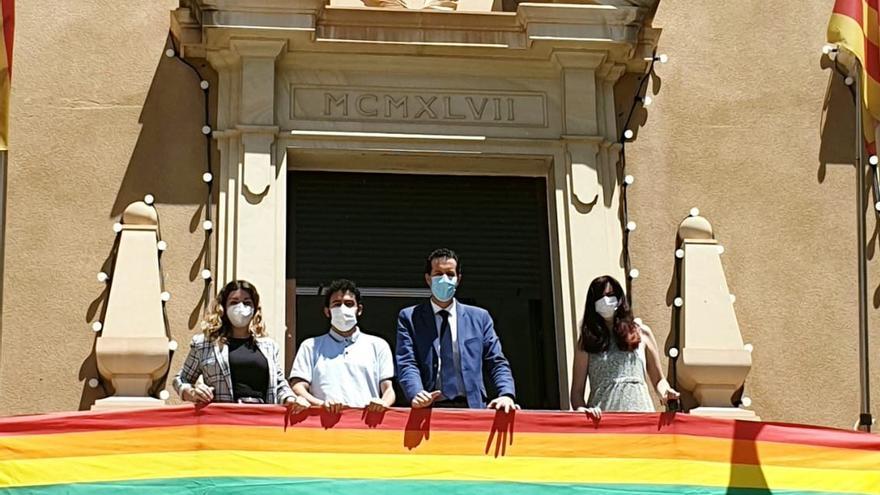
x=855 y=27
x=7 y=13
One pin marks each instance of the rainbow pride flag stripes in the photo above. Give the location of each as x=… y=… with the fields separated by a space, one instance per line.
x=239 y=449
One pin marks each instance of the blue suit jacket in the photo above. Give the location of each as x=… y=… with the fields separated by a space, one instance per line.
x=418 y=344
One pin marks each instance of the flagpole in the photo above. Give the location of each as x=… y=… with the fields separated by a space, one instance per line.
x=865 y=419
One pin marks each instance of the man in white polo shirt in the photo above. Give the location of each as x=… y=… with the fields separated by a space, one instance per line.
x=344 y=367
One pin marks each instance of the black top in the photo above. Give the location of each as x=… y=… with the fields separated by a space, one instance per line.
x=249 y=369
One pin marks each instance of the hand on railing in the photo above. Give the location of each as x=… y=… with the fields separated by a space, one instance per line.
x=425 y=398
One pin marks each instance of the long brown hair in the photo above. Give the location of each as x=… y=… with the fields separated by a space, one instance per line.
x=216 y=325
x=594 y=336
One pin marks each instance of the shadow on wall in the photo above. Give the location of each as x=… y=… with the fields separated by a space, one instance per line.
x=837 y=131
x=95 y=313
x=169 y=157
x=168 y=161
x=631 y=113
x=838 y=135
x=673 y=339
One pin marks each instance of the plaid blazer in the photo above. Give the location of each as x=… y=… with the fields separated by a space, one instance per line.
x=210 y=360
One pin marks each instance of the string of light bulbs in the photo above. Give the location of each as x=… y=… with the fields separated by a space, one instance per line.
x=207 y=224
x=207 y=177
x=629 y=226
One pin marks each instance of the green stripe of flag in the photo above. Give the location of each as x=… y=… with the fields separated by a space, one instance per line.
x=310 y=486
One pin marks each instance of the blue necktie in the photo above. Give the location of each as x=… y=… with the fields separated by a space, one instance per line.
x=448 y=379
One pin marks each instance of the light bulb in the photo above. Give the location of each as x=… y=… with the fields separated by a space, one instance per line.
x=172 y=345
x=828 y=48
x=93 y=383
x=169 y=52
x=117 y=227
x=164 y=395
x=746 y=402
x=628 y=180
x=206 y=129
x=165 y=296
x=97 y=326
x=206 y=274
x=207 y=225
x=663 y=58
x=732 y=299
x=634 y=273
x=630 y=226
x=695 y=212
x=720 y=249
x=679 y=253
x=678 y=302
x=628 y=134
x=647 y=100
x=673 y=352
x=748 y=348
x=873 y=160
x=103 y=277
x=849 y=81
x=149 y=199
x=204 y=85
x=877 y=206
x=161 y=245
x=207 y=177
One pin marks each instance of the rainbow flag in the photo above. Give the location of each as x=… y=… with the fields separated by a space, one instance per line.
x=7 y=14
x=854 y=26
x=239 y=449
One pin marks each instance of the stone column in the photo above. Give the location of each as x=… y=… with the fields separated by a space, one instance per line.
x=588 y=174
x=252 y=203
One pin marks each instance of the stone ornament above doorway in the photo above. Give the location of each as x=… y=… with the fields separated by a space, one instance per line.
x=447 y=5
x=430 y=5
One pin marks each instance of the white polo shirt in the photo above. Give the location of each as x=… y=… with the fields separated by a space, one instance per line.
x=344 y=369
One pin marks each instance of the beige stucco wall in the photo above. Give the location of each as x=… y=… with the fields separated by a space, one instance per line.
x=736 y=131
x=100 y=117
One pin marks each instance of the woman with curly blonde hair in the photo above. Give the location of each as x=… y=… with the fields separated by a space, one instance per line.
x=237 y=361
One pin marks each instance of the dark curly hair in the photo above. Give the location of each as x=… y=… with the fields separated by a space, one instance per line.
x=341 y=285
x=594 y=335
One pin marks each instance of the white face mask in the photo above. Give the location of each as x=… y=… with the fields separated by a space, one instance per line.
x=607 y=306
x=240 y=314
x=343 y=318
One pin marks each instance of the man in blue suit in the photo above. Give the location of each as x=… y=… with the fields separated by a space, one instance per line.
x=444 y=346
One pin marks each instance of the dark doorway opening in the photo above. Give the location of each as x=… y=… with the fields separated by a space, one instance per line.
x=377 y=229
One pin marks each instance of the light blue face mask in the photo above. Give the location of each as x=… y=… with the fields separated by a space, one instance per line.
x=443 y=287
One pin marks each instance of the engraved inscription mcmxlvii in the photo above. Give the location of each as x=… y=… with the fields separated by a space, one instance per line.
x=501 y=108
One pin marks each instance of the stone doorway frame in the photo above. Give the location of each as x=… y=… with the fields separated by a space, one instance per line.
x=578 y=51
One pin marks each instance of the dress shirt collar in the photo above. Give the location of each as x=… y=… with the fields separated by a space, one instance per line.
x=450 y=309
x=339 y=338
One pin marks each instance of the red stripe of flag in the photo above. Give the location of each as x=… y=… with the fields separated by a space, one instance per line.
x=872 y=62
x=8 y=28
x=425 y=421
x=850 y=8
